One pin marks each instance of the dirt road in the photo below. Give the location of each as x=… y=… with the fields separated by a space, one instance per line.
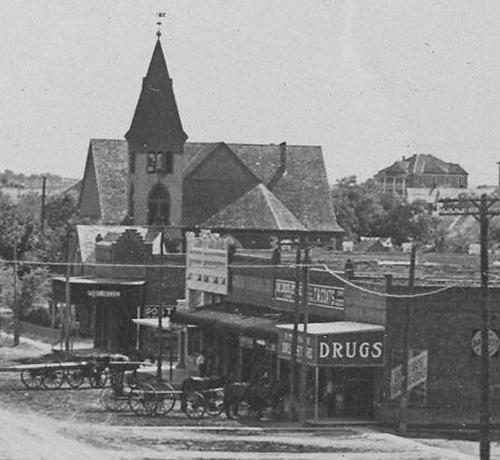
x=28 y=436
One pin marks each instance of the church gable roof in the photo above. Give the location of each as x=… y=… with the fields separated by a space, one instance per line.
x=258 y=209
x=303 y=188
x=110 y=159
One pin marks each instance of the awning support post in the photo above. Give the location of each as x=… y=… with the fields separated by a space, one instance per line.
x=316 y=393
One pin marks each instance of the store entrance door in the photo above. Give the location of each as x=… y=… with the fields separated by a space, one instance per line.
x=359 y=392
x=103 y=324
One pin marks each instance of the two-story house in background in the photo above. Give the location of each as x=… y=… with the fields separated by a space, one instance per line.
x=420 y=171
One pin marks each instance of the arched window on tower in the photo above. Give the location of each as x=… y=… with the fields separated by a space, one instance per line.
x=158 y=205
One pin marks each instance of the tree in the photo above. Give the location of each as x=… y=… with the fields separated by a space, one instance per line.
x=22 y=290
x=20 y=228
x=364 y=211
x=358 y=207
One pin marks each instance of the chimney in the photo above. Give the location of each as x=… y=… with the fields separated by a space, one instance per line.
x=498 y=163
x=281 y=169
x=404 y=158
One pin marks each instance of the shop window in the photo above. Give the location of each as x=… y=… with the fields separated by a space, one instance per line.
x=158 y=205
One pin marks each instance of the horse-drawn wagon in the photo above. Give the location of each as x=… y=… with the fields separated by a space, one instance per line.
x=52 y=375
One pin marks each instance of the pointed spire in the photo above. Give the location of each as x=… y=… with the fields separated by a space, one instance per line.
x=156 y=122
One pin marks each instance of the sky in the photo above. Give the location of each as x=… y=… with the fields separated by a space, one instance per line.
x=369 y=81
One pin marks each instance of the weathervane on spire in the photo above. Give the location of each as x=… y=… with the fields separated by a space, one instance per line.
x=158 y=33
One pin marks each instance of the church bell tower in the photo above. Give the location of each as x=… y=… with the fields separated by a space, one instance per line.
x=156 y=147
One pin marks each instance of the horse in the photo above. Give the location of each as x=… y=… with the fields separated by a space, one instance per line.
x=201 y=384
x=258 y=395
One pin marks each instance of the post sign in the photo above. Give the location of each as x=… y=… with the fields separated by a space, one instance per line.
x=363 y=348
x=207 y=263
x=151 y=311
x=317 y=294
x=493 y=342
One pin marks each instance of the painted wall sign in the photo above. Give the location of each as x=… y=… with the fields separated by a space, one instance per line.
x=364 y=348
x=103 y=293
x=318 y=294
x=493 y=342
x=417 y=374
x=306 y=350
x=207 y=263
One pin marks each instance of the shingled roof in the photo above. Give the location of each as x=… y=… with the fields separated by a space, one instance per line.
x=423 y=164
x=111 y=169
x=258 y=209
x=303 y=188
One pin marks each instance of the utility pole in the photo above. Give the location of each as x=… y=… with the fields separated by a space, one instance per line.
x=295 y=337
x=66 y=323
x=160 y=315
x=481 y=209
x=403 y=402
x=42 y=210
x=305 y=319
x=17 y=315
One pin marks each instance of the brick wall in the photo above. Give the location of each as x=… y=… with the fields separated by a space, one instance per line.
x=444 y=324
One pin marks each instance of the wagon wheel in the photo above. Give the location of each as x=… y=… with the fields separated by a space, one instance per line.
x=75 y=378
x=195 y=405
x=214 y=402
x=111 y=401
x=31 y=378
x=244 y=409
x=142 y=399
x=98 y=379
x=53 y=379
x=165 y=398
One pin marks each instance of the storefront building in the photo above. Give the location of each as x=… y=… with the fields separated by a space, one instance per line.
x=354 y=342
x=121 y=276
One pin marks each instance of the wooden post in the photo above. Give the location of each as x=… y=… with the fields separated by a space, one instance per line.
x=67 y=295
x=138 y=330
x=171 y=354
x=316 y=393
x=484 y=422
x=42 y=210
x=17 y=313
x=403 y=402
x=159 y=361
x=305 y=319
x=293 y=360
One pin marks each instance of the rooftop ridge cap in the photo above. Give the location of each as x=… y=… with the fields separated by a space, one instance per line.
x=268 y=201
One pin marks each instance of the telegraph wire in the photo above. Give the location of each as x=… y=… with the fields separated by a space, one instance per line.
x=318 y=266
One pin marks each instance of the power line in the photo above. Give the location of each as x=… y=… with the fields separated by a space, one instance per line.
x=322 y=267
x=384 y=294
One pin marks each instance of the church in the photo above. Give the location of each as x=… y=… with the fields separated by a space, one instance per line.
x=154 y=177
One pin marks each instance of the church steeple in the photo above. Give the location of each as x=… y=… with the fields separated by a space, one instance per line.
x=156 y=120
x=156 y=149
